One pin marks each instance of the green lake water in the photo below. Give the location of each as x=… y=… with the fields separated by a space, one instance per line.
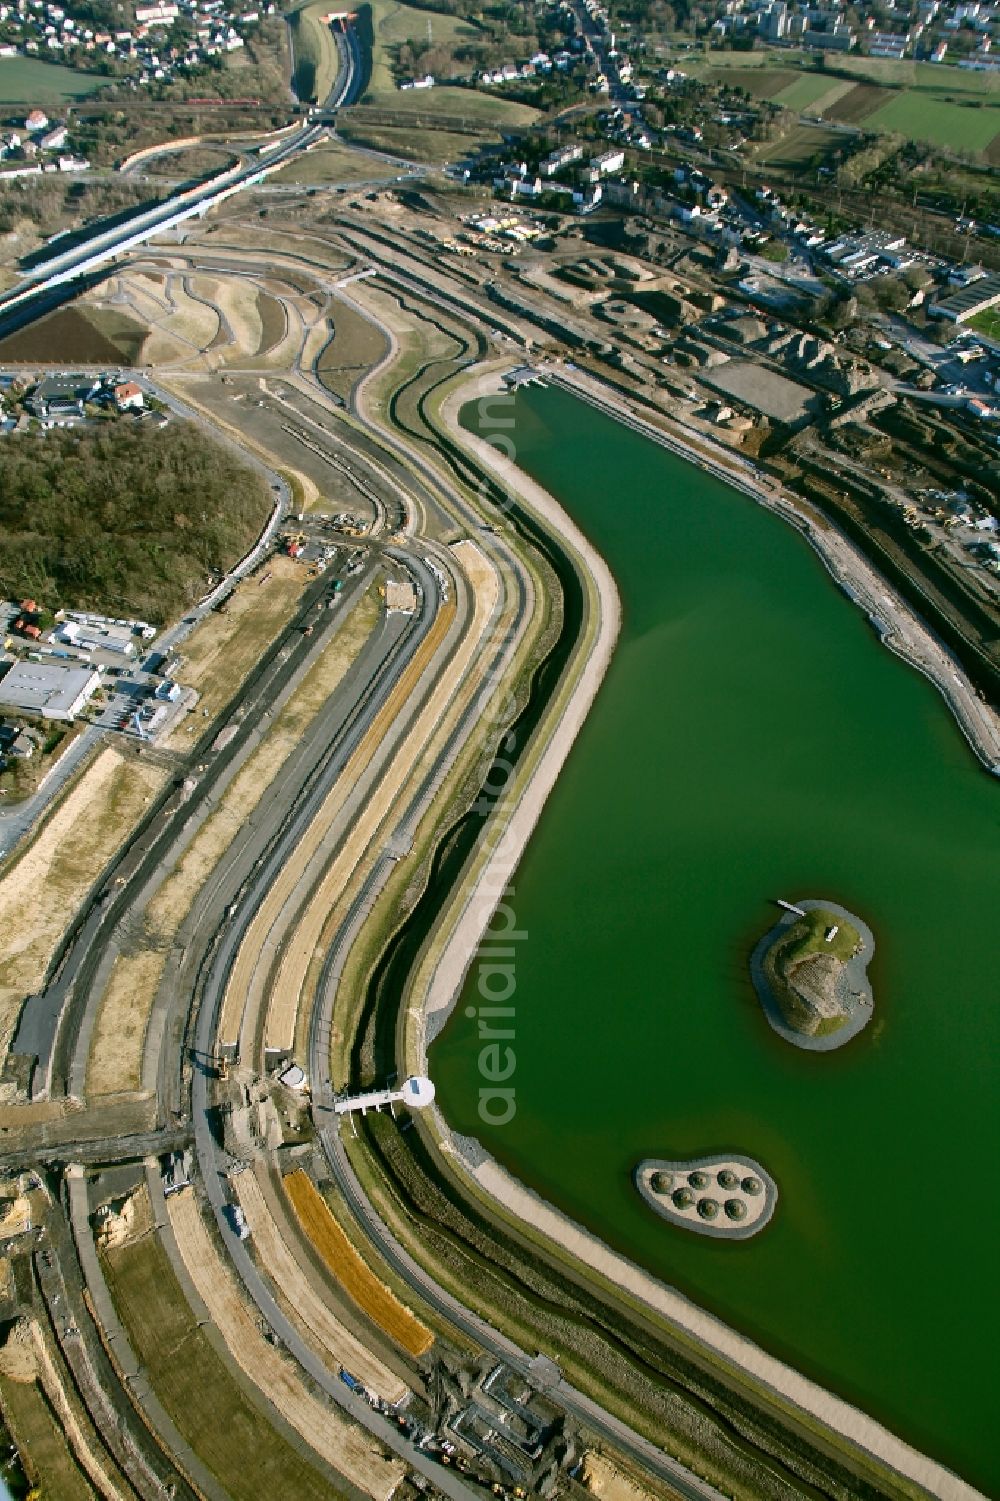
x=753 y=740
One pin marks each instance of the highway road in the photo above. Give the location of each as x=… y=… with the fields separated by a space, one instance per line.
x=63 y=267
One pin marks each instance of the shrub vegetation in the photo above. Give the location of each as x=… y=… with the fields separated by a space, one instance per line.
x=123 y=518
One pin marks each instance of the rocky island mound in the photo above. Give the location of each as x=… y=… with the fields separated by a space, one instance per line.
x=810 y=974
x=728 y=1197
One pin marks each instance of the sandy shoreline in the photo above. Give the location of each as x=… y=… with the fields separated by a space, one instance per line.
x=432 y=1003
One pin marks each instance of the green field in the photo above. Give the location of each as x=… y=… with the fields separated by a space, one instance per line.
x=812 y=93
x=927 y=117
x=186 y=1373
x=39 y=1436
x=330 y=164
x=939 y=77
x=945 y=106
x=25 y=78
x=468 y=105
x=413 y=142
x=987 y=324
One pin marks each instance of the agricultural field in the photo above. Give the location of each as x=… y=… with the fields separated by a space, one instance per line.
x=84 y=335
x=944 y=106
x=969 y=125
x=25 y=78
x=812 y=94
x=858 y=102
x=799 y=146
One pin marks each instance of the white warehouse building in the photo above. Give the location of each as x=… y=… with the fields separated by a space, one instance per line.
x=51 y=691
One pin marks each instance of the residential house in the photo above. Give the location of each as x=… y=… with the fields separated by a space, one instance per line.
x=128 y=397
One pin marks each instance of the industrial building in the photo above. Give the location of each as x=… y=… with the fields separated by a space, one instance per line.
x=975 y=298
x=51 y=691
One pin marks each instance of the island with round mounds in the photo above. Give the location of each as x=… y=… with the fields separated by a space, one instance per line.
x=810 y=972
x=728 y=1197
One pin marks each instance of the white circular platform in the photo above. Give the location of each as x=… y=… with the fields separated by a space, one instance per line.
x=418 y=1091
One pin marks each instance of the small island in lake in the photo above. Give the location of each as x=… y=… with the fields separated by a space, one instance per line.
x=810 y=975
x=728 y=1197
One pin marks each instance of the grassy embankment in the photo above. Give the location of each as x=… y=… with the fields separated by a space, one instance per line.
x=315 y=59
x=41 y=1442
x=409 y=122
x=350 y=1270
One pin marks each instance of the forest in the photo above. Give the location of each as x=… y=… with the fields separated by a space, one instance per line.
x=123 y=518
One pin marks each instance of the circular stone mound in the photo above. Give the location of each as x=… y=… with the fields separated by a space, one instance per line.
x=661 y=1182
x=736 y=1210
x=752 y=1186
x=727 y=1178
x=708 y=1208
x=698 y=1179
x=683 y=1198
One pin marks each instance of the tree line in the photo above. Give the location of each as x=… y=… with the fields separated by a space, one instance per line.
x=125 y=518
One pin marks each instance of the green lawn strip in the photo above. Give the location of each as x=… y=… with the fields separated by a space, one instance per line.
x=41 y=1442
x=187 y=1374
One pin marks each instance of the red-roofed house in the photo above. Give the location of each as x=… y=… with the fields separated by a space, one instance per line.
x=128 y=397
